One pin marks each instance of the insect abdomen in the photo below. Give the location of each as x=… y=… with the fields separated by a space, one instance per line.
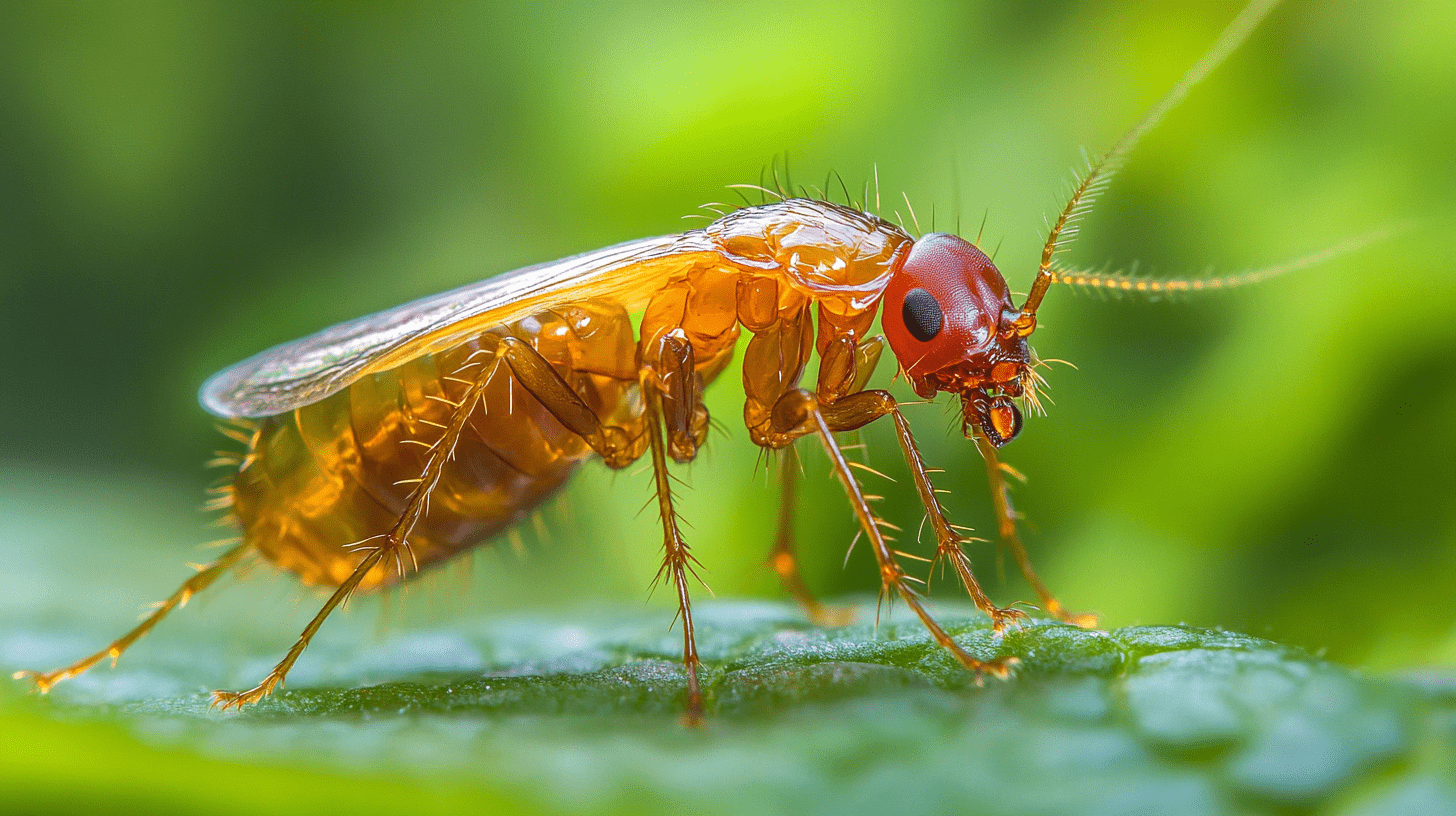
x=339 y=472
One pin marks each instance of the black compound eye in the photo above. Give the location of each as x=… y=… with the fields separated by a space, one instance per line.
x=922 y=315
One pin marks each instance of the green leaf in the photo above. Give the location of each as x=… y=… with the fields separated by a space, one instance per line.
x=582 y=714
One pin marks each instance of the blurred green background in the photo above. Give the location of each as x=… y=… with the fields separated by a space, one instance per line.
x=184 y=184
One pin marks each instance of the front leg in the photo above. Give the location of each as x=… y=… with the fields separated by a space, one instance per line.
x=859 y=409
x=800 y=411
x=772 y=366
x=845 y=369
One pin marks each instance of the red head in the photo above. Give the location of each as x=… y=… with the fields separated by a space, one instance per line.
x=949 y=318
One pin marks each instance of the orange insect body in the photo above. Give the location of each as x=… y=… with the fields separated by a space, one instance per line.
x=394 y=442
x=322 y=478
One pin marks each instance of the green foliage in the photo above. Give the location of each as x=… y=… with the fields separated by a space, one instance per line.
x=1153 y=719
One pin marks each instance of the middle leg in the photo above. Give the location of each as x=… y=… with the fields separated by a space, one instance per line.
x=674 y=423
x=667 y=376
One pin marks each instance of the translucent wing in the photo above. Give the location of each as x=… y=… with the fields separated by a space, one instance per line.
x=320 y=365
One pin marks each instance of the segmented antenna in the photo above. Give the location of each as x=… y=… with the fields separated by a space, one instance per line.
x=1100 y=172
x=1121 y=281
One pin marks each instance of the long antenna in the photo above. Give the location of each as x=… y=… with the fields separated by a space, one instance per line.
x=1121 y=281
x=1100 y=172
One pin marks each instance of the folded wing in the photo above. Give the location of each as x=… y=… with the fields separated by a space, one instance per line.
x=305 y=371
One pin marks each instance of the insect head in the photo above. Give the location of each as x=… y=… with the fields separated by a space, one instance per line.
x=949 y=319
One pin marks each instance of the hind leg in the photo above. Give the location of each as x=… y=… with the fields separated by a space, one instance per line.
x=202 y=580
x=393 y=545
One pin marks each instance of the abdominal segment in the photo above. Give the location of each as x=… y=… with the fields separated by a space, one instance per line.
x=328 y=477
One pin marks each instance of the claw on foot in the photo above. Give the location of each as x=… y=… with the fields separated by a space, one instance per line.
x=1004 y=620
x=999 y=668
x=224 y=700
